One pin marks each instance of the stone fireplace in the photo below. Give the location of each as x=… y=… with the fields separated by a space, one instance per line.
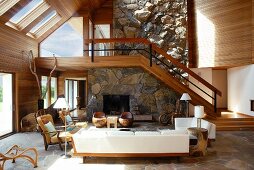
x=150 y=95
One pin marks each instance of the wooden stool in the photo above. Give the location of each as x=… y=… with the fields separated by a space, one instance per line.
x=112 y=120
x=202 y=138
x=17 y=152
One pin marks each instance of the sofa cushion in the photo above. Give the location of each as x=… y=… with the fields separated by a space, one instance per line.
x=93 y=134
x=170 y=132
x=120 y=133
x=147 y=133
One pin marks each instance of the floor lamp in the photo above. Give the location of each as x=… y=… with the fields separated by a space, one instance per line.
x=186 y=97
x=61 y=103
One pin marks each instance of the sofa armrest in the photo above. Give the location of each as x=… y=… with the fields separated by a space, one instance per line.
x=181 y=123
x=212 y=133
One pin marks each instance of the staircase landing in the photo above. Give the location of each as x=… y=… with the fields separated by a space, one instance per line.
x=230 y=121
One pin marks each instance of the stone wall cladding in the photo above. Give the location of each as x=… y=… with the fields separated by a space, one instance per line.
x=161 y=21
x=149 y=94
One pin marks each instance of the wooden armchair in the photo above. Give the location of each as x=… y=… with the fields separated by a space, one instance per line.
x=51 y=136
x=71 y=120
x=126 y=119
x=99 y=119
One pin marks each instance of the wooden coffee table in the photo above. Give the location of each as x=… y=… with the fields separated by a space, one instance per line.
x=112 y=120
x=202 y=138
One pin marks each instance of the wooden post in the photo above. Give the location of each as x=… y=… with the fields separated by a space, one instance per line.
x=215 y=102
x=151 y=54
x=92 y=50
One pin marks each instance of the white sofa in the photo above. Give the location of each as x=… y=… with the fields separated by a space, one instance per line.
x=184 y=123
x=115 y=143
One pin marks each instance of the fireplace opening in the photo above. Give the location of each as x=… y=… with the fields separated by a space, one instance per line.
x=116 y=104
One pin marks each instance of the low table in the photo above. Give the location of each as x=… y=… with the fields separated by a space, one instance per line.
x=112 y=120
x=202 y=138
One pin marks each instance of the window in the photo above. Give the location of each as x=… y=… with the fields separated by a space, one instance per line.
x=25 y=11
x=53 y=88
x=5 y=5
x=44 y=80
x=71 y=92
x=66 y=41
x=51 y=95
x=42 y=22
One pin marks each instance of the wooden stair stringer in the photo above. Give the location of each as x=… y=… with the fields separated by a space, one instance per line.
x=174 y=83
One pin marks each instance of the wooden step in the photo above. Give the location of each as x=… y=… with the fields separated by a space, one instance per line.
x=233 y=122
x=235 y=128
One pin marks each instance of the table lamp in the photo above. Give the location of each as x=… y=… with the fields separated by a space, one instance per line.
x=199 y=114
x=61 y=103
x=186 y=97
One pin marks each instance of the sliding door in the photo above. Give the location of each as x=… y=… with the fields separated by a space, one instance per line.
x=6 y=101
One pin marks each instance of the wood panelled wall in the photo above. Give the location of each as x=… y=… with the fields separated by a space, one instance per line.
x=252 y=21
x=26 y=91
x=69 y=75
x=232 y=21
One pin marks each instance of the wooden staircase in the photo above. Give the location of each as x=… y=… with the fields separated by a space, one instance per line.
x=147 y=63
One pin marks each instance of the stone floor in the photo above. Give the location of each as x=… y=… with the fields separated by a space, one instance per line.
x=231 y=150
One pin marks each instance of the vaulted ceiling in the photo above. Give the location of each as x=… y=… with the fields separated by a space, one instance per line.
x=64 y=9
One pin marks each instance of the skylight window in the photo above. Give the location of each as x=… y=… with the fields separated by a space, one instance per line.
x=44 y=21
x=25 y=11
x=5 y=5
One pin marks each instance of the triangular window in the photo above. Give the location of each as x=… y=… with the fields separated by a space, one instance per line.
x=66 y=41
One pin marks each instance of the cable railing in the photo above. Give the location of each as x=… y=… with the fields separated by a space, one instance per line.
x=152 y=51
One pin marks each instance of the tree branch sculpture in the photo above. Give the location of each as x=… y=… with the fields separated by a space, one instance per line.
x=32 y=67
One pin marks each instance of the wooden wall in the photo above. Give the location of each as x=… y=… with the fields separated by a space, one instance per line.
x=68 y=75
x=11 y=44
x=232 y=22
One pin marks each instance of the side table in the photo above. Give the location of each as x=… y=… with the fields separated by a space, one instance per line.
x=112 y=120
x=202 y=138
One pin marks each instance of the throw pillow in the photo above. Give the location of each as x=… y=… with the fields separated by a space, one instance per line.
x=68 y=119
x=51 y=129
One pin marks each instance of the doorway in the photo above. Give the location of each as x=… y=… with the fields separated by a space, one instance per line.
x=75 y=93
x=6 y=103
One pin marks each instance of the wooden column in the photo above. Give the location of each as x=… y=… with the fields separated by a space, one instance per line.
x=192 y=37
x=86 y=34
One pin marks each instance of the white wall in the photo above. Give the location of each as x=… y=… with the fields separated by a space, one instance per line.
x=241 y=89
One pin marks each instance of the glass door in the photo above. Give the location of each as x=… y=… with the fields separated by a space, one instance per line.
x=6 y=101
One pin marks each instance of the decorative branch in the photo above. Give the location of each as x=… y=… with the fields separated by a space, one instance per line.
x=50 y=75
x=32 y=67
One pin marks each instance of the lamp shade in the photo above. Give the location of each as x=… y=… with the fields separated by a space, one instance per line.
x=185 y=96
x=61 y=103
x=199 y=112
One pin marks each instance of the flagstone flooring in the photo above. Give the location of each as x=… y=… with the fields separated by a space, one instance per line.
x=231 y=150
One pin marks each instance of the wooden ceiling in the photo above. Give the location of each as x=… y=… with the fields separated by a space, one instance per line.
x=65 y=10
